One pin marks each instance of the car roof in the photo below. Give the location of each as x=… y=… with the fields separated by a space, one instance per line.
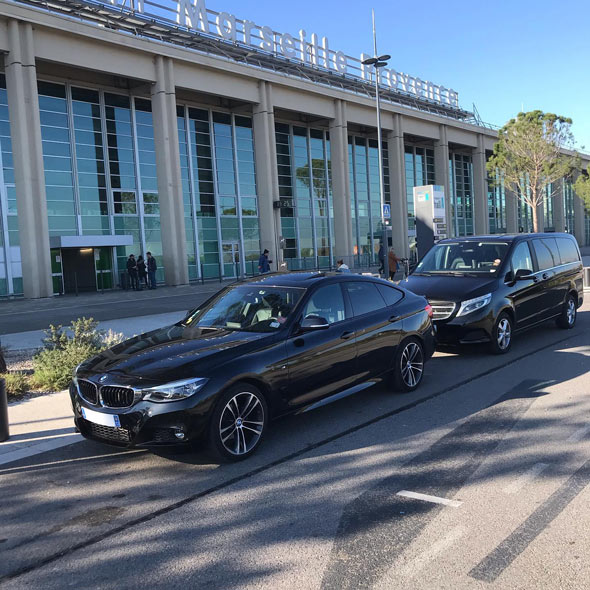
x=504 y=237
x=304 y=279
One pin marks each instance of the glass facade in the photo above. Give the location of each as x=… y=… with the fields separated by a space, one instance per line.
x=10 y=267
x=548 y=209
x=363 y=157
x=568 y=204
x=219 y=189
x=419 y=164
x=461 y=185
x=496 y=204
x=305 y=191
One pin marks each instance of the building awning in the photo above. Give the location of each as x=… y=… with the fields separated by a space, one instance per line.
x=90 y=241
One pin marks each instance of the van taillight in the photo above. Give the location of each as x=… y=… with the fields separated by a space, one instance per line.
x=428 y=310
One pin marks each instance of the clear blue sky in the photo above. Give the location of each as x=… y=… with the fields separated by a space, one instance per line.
x=499 y=55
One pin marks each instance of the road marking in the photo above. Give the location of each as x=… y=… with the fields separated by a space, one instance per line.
x=525 y=478
x=579 y=434
x=491 y=566
x=416 y=564
x=428 y=498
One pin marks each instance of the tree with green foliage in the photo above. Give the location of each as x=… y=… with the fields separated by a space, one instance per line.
x=533 y=152
x=582 y=187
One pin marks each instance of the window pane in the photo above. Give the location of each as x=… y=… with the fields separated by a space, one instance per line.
x=364 y=297
x=328 y=303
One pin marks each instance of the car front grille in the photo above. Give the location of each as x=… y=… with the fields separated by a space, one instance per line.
x=88 y=391
x=116 y=397
x=109 y=432
x=442 y=310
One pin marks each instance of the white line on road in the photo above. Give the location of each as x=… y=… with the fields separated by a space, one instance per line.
x=428 y=498
x=411 y=568
x=579 y=434
x=525 y=478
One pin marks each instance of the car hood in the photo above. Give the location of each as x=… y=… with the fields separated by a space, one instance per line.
x=450 y=288
x=172 y=353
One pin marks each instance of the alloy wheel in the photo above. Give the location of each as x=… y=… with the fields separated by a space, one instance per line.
x=412 y=364
x=504 y=333
x=241 y=423
x=571 y=311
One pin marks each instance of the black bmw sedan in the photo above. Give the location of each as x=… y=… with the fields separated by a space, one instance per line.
x=256 y=350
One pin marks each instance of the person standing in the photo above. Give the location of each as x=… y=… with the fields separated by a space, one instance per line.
x=393 y=261
x=264 y=263
x=341 y=266
x=152 y=267
x=132 y=272
x=141 y=272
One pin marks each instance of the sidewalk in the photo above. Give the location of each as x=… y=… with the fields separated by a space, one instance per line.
x=38 y=425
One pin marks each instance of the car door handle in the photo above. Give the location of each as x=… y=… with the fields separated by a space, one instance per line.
x=346 y=335
x=393 y=318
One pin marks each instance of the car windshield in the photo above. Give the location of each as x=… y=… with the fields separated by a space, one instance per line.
x=248 y=308
x=463 y=258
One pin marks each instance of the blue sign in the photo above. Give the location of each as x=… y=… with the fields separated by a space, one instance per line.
x=386 y=210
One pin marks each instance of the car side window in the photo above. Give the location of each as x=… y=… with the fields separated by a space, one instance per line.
x=328 y=303
x=390 y=294
x=567 y=250
x=544 y=255
x=364 y=297
x=521 y=257
x=551 y=243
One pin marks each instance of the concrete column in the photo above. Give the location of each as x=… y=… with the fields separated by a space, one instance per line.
x=442 y=176
x=397 y=188
x=481 y=221
x=511 y=212
x=174 y=252
x=341 y=195
x=25 y=130
x=267 y=177
x=559 y=207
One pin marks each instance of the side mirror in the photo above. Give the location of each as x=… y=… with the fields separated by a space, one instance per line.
x=523 y=274
x=311 y=323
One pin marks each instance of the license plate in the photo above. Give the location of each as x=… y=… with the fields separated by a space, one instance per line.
x=100 y=418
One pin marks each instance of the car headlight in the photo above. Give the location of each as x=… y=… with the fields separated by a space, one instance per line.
x=474 y=304
x=174 y=391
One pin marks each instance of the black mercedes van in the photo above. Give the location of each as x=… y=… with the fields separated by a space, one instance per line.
x=488 y=288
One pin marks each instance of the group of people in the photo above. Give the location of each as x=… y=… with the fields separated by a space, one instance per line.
x=142 y=272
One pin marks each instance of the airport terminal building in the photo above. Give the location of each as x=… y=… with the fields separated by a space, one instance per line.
x=129 y=126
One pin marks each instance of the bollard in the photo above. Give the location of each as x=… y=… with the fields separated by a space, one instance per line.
x=4 y=433
x=202 y=275
x=587 y=277
x=76 y=283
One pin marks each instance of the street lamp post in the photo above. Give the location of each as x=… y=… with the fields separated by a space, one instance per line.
x=380 y=61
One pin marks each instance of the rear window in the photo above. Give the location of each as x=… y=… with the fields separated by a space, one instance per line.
x=390 y=294
x=364 y=297
x=546 y=252
x=567 y=250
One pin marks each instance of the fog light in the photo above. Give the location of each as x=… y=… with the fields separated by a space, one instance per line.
x=179 y=435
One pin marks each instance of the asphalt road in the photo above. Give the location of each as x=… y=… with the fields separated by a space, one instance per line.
x=333 y=498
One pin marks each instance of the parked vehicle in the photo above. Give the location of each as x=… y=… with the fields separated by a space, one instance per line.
x=488 y=288
x=269 y=346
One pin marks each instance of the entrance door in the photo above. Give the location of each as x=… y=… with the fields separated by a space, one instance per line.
x=78 y=269
x=231 y=259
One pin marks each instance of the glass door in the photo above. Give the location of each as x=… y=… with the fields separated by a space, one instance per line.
x=231 y=259
x=104 y=268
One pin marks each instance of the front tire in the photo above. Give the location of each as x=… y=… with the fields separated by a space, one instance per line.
x=502 y=334
x=569 y=314
x=238 y=423
x=408 y=367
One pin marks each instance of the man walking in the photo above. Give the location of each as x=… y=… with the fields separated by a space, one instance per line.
x=264 y=263
x=151 y=270
x=132 y=272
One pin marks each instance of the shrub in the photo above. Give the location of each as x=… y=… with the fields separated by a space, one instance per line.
x=64 y=349
x=17 y=384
